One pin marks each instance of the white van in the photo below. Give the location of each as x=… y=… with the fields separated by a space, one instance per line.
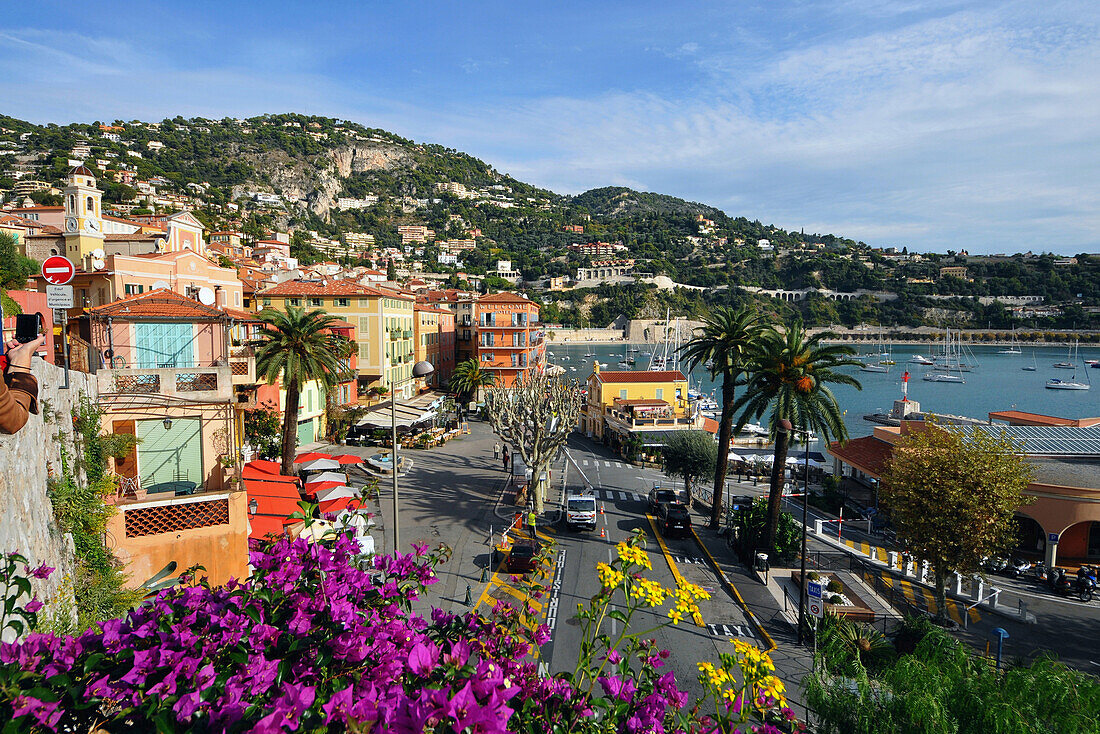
x=580 y=509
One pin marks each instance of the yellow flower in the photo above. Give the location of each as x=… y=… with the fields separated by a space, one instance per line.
x=634 y=555
x=609 y=577
x=675 y=615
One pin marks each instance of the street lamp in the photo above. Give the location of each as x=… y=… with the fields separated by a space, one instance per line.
x=420 y=369
x=787 y=426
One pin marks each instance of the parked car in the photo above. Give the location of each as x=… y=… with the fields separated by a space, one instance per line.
x=659 y=496
x=522 y=556
x=673 y=518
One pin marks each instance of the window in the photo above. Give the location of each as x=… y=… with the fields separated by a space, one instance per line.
x=660 y=393
x=163 y=345
x=342 y=302
x=316 y=302
x=486 y=356
x=295 y=302
x=91 y=205
x=237 y=299
x=622 y=394
x=133 y=290
x=267 y=302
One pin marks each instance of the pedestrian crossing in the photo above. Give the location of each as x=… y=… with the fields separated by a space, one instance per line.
x=616 y=495
x=607 y=464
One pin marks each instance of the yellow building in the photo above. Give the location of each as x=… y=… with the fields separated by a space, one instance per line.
x=639 y=403
x=383 y=321
x=311 y=412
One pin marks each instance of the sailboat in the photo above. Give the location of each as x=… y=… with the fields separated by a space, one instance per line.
x=627 y=360
x=1031 y=367
x=947 y=363
x=1071 y=356
x=1014 y=349
x=1055 y=383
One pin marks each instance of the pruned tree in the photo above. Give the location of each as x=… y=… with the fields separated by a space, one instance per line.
x=535 y=416
x=952 y=496
x=690 y=455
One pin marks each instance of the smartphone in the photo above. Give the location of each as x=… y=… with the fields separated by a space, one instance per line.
x=28 y=327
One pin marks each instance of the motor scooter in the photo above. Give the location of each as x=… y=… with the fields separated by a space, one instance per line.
x=995 y=565
x=1017 y=567
x=1083 y=585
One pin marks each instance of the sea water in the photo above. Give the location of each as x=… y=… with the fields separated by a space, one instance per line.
x=997 y=382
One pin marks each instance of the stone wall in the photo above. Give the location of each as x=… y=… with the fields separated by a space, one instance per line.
x=26 y=459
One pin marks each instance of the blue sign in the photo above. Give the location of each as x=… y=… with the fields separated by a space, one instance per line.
x=814 y=590
x=1052 y=537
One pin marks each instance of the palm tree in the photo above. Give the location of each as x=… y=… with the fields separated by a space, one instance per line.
x=729 y=337
x=790 y=376
x=468 y=378
x=296 y=347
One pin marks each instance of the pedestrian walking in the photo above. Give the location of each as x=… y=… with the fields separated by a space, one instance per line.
x=496 y=450
x=506 y=461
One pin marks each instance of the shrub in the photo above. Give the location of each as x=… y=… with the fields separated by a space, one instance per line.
x=835 y=586
x=321 y=639
x=836 y=599
x=813 y=575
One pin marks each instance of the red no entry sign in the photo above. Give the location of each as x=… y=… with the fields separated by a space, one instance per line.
x=57 y=270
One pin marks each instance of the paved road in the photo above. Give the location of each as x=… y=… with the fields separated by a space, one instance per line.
x=454 y=494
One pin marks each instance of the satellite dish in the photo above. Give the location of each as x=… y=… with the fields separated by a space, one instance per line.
x=98 y=253
x=159 y=284
x=206 y=296
x=98 y=264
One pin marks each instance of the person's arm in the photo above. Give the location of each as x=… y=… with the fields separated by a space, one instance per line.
x=19 y=388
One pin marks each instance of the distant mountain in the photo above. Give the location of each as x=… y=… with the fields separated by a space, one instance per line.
x=619 y=201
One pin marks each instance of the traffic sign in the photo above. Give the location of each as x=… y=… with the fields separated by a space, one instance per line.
x=58 y=270
x=59 y=296
x=813 y=590
x=816 y=607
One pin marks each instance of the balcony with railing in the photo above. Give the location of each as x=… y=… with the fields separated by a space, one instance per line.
x=646 y=414
x=206 y=384
x=242 y=365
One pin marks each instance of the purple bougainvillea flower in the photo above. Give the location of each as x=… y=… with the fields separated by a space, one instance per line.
x=42 y=572
x=33 y=606
x=616 y=687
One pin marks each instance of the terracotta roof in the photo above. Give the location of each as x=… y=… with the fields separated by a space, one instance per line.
x=341 y=324
x=1022 y=418
x=38 y=209
x=430 y=309
x=505 y=298
x=161 y=303
x=640 y=376
x=329 y=288
x=868 y=454
x=239 y=315
x=81 y=170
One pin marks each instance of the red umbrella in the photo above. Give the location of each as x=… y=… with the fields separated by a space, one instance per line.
x=302 y=458
x=315 y=487
x=348 y=459
x=337 y=505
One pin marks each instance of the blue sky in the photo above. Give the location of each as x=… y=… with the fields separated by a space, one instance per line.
x=936 y=125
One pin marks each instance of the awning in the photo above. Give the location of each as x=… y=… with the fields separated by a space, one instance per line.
x=336 y=493
x=409 y=412
x=310 y=456
x=320 y=465
x=329 y=476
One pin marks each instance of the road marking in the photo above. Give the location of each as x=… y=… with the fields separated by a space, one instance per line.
x=618 y=465
x=555 y=593
x=696 y=616
x=690 y=560
x=729 y=630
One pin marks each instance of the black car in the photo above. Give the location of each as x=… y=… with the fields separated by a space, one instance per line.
x=673 y=518
x=658 y=497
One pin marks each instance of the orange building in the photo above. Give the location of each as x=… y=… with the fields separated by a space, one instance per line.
x=510 y=339
x=435 y=342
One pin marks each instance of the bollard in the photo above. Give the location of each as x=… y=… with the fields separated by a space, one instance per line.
x=892 y=558
x=484 y=574
x=469 y=601
x=994 y=597
x=818 y=527
x=924 y=572
x=977 y=588
x=958 y=583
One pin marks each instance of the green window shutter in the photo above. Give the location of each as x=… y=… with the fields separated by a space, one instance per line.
x=170 y=460
x=305 y=432
x=164 y=345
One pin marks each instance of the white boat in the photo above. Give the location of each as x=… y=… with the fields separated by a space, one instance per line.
x=920 y=359
x=1072 y=384
x=1014 y=349
x=1064 y=365
x=873 y=368
x=942 y=377
x=1055 y=384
